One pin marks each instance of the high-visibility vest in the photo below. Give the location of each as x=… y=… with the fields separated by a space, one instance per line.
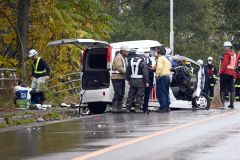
x=232 y=62
x=135 y=67
x=36 y=67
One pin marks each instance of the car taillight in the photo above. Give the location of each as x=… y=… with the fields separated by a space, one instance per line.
x=83 y=53
x=109 y=56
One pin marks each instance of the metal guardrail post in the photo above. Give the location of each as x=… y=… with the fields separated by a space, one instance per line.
x=7 y=75
x=2 y=79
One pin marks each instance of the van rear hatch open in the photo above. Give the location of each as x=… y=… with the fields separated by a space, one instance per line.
x=95 y=62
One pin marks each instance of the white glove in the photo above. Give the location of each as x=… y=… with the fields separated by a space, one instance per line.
x=147 y=84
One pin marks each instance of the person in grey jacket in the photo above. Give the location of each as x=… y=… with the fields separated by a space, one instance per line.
x=137 y=77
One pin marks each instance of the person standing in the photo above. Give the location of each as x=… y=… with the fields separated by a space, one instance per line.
x=237 y=82
x=40 y=73
x=151 y=70
x=227 y=73
x=137 y=77
x=163 y=80
x=212 y=73
x=118 y=78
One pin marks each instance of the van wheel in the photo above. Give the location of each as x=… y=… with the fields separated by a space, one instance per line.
x=97 y=108
x=202 y=102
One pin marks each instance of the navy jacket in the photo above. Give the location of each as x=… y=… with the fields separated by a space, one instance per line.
x=42 y=65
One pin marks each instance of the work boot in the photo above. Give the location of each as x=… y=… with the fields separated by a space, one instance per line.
x=114 y=107
x=222 y=97
x=232 y=99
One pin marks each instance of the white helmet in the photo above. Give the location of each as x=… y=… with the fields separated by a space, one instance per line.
x=210 y=59
x=124 y=48
x=147 y=49
x=32 y=53
x=227 y=44
x=200 y=62
x=140 y=51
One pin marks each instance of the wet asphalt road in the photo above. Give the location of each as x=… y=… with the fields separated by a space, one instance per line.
x=178 y=135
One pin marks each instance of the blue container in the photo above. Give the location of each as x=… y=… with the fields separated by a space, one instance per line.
x=21 y=94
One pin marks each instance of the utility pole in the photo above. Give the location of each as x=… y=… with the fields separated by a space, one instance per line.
x=171 y=27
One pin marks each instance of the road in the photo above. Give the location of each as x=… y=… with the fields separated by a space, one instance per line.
x=178 y=135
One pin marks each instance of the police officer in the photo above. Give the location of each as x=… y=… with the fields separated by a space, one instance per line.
x=212 y=73
x=151 y=69
x=227 y=73
x=118 y=78
x=137 y=77
x=40 y=73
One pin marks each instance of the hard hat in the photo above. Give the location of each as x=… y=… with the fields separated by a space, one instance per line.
x=147 y=49
x=210 y=59
x=200 y=62
x=140 y=51
x=227 y=44
x=168 y=51
x=32 y=53
x=124 y=48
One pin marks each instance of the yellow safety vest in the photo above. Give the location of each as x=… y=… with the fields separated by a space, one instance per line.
x=36 y=67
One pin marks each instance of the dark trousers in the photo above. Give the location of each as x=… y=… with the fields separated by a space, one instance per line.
x=237 y=89
x=163 y=84
x=211 y=91
x=119 y=90
x=135 y=93
x=226 y=83
x=206 y=87
x=37 y=97
x=148 y=91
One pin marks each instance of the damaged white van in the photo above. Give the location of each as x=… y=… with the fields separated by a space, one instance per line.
x=97 y=91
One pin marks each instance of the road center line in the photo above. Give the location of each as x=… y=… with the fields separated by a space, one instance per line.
x=152 y=135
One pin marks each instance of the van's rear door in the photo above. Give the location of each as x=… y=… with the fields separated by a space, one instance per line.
x=95 y=62
x=90 y=43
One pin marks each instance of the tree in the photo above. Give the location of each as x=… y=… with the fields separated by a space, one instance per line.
x=148 y=19
x=22 y=34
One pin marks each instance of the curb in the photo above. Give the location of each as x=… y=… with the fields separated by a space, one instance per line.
x=2 y=121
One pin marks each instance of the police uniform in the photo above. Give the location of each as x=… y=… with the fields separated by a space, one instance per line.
x=137 y=76
x=148 y=89
x=212 y=72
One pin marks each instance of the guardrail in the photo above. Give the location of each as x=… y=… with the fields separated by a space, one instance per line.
x=7 y=78
x=68 y=82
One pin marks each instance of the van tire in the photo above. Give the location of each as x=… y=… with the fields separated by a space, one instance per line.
x=202 y=102
x=97 y=108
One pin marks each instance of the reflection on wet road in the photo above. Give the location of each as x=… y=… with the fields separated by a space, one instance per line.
x=72 y=139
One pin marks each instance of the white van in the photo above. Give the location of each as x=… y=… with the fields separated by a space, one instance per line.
x=97 y=91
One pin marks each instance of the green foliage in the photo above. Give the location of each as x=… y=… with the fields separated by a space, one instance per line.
x=8 y=62
x=51 y=20
x=200 y=27
x=52 y=116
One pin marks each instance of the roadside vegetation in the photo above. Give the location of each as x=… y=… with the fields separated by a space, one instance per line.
x=200 y=28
